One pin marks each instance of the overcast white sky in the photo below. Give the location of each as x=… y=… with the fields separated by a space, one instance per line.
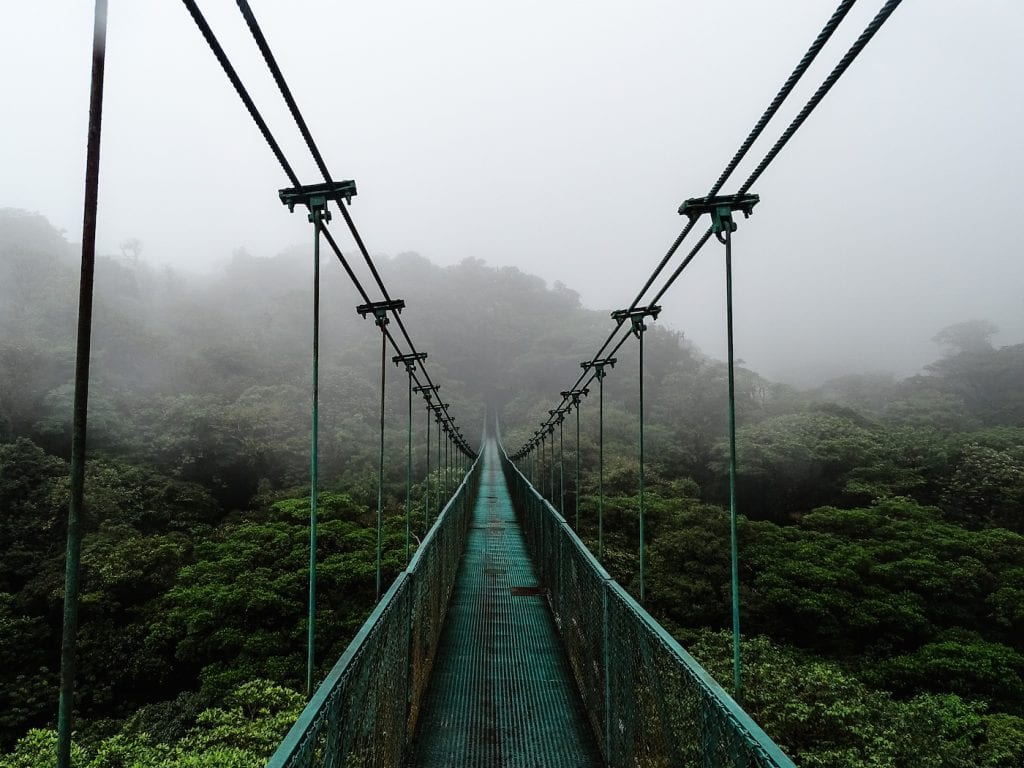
x=560 y=137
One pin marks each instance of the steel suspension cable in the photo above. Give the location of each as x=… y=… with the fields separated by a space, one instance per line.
x=833 y=77
x=261 y=124
x=243 y=94
x=798 y=72
x=293 y=108
x=811 y=104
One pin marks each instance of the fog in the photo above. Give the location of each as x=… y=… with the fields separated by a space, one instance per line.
x=561 y=138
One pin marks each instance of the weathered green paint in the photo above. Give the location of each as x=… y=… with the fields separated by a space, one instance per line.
x=317 y=214
x=734 y=547
x=381 y=321
x=79 y=430
x=408 y=475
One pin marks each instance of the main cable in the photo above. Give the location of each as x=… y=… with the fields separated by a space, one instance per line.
x=812 y=103
x=272 y=143
x=243 y=94
x=293 y=108
x=802 y=66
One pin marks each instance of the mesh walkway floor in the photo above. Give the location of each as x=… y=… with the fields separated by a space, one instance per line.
x=501 y=692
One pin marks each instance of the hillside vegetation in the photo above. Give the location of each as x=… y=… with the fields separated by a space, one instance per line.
x=881 y=538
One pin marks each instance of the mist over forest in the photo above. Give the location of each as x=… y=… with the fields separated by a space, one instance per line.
x=882 y=533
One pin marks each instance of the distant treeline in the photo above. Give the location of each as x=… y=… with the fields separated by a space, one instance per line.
x=881 y=547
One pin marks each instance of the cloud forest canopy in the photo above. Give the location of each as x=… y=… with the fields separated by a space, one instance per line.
x=881 y=544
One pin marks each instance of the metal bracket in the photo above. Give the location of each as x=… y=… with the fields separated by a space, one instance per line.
x=409 y=360
x=599 y=366
x=575 y=394
x=721 y=209
x=558 y=414
x=636 y=317
x=380 y=310
x=315 y=196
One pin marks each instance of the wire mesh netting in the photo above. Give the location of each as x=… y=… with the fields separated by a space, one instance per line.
x=365 y=711
x=648 y=701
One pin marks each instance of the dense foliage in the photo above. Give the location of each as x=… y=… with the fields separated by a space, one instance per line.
x=882 y=537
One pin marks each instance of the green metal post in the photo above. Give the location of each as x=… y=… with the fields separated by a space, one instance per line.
x=600 y=464
x=543 y=464
x=734 y=553
x=426 y=480
x=81 y=403
x=437 y=487
x=561 y=469
x=408 y=476
x=577 y=467
x=381 y=321
x=551 y=469
x=640 y=335
x=315 y=214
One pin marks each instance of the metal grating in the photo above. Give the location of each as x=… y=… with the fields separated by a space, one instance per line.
x=649 y=702
x=502 y=691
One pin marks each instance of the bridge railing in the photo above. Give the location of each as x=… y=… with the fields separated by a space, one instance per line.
x=648 y=701
x=364 y=712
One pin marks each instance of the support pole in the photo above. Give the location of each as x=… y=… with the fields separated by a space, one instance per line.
x=577 y=486
x=576 y=395
x=315 y=197
x=734 y=547
x=426 y=480
x=640 y=335
x=316 y=216
x=81 y=403
x=408 y=477
x=600 y=466
x=561 y=468
x=551 y=465
x=543 y=463
x=379 y=310
x=437 y=416
x=410 y=368
x=599 y=373
x=636 y=317
x=723 y=224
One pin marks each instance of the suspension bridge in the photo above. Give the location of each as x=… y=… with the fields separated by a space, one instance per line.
x=504 y=642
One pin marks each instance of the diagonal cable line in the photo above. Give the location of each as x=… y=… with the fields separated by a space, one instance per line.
x=833 y=77
x=275 y=148
x=293 y=108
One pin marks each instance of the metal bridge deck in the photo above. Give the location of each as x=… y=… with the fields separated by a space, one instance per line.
x=501 y=692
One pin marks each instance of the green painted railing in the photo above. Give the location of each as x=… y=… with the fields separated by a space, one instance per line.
x=364 y=713
x=648 y=701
